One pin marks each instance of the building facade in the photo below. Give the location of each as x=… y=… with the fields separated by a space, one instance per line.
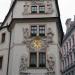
x=68 y=49
x=30 y=38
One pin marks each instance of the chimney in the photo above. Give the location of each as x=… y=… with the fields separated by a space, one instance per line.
x=68 y=22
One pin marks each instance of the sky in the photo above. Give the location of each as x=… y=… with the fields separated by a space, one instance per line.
x=67 y=10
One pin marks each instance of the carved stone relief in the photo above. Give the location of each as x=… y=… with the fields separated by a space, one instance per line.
x=25 y=34
x=50 y=36
x=23 y=64
x=26 y=6
x=37 y=3
x=49 y=7
x=51 y=65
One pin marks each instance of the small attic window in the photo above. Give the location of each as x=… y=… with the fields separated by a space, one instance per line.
x=3 y=38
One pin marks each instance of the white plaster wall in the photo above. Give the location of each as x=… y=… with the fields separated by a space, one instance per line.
x=18 y=48
x=5 y=44
x=16 y=52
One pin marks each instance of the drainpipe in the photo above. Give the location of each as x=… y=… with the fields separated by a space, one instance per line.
x=9 y=50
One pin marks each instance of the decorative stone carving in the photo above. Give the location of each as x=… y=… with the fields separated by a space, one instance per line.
x=43 y=43
x=23 y=64
x=26 y=6
x=50 y=36
x=25 y=34
x=37 y=3
x=49 y=7
x=51 y=65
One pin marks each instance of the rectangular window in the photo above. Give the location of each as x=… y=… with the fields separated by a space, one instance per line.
x=70 y=43
x=1 y=59
x=42 y=30
x=71 y=58
x=41 y=9
x=34 y=9
x=74 y=56
x=3 y=38
x=42 y=59
x=33 y=30
x=33 y=60
x=73 y=39
x=67 y=46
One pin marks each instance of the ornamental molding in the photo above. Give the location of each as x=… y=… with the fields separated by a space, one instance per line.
x=48 y=4
x=37 y=40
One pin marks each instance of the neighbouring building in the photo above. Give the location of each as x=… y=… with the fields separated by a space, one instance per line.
x=30 y=38
x=68 y=49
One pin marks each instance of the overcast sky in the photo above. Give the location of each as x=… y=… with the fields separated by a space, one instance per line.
x=67 y=10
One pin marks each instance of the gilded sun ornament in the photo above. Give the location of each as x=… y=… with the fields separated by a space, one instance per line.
x=37 y=42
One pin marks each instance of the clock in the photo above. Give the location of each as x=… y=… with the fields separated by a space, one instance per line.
x=37 y=42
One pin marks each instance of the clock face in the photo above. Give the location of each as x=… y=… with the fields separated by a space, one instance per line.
x=37 y=42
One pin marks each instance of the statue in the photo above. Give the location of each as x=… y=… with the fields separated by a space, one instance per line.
x=26 y=6
x=25 y=34
x=51 y=65
x=49 y=7
x=23 y=64
x=50 y=36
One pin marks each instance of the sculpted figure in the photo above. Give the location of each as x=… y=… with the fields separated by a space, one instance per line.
x=50 y=35
x=25 y=34
x=51 y=65
x=23 y=64
x=26 y=6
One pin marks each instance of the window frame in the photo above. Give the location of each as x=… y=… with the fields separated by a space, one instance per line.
x=42 y=9
x=33 y=30
x=41 y=30
x=43 y=64
x=30 y=64
x=38 y=31
x=35 y=9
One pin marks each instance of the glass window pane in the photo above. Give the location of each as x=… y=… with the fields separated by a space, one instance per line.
x=33 y=59
x=33 y=30
x=41 y=9
x=42 y=30
x=34 y=9
x=42 y=59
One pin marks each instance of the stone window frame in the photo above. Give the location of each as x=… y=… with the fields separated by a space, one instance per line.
x=37 y=59
x=38 y=30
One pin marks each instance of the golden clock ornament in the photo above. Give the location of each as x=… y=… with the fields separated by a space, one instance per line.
x=37 y=42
